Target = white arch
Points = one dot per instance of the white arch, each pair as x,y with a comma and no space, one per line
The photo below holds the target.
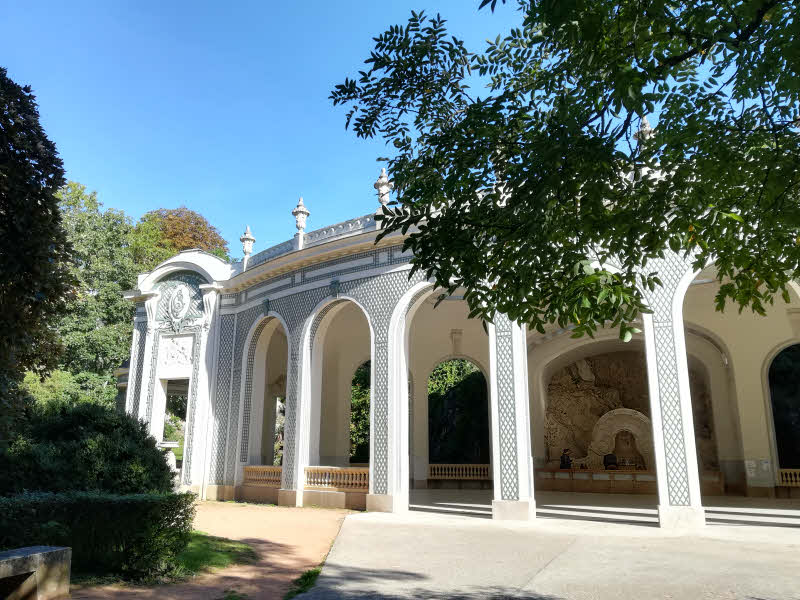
211,267
250,371
308,404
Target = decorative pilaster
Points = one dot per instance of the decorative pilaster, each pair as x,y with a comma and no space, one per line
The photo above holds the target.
292,472
680,504
511,441
381,494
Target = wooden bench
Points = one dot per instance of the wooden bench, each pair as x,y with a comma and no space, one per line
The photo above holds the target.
35,573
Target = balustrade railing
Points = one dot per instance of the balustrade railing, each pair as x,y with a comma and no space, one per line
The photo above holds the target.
469,471
266,475
789,477
337,479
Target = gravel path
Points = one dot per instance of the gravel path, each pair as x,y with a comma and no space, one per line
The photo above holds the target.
288,541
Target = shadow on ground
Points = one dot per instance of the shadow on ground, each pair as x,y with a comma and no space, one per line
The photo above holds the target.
346,582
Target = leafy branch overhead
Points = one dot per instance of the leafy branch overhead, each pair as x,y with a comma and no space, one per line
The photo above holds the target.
528,174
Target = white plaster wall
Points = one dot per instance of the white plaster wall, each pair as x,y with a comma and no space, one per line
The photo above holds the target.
750,342
430,343
346,341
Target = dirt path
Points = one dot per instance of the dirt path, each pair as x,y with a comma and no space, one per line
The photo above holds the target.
288,541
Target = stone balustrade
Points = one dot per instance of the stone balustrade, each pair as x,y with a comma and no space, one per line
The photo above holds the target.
475,472
789,477
265,475
337,479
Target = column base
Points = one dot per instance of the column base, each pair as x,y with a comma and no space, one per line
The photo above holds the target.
287,497
380,503
681,518
220,493
514,510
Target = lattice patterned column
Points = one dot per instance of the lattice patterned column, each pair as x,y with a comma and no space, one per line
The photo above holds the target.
670,399
511,439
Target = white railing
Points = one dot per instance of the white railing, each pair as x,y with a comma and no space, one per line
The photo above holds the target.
357,225
337,479
266,475
474,472
789,477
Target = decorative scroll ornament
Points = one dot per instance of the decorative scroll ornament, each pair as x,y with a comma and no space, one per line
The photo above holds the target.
178,306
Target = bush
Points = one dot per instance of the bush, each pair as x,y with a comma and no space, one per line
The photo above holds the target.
83,447
135,535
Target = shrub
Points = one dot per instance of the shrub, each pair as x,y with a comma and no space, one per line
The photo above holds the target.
83,447
134,535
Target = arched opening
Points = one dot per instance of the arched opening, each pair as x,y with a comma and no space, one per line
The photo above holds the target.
340,346
338,343
784,389
359,415
263,392
458,414
450,466
597,419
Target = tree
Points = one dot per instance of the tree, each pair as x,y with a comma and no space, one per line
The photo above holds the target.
179,229
527,195
359,414
96,331
458,414
34,253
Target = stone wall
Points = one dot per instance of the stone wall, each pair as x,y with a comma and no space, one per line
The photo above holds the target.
582,392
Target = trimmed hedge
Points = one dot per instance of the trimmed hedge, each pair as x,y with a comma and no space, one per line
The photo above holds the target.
135,535
83,447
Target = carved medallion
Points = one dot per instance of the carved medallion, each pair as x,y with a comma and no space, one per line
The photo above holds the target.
178,306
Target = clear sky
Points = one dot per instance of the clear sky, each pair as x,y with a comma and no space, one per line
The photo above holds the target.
219,106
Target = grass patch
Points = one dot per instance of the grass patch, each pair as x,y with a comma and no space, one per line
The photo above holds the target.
303,583
204,553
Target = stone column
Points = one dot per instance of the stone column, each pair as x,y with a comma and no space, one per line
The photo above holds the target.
381,496
510,421
679,502
293,471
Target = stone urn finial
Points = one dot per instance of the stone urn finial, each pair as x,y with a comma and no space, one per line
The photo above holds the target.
645,131
300,213
384,186
247,240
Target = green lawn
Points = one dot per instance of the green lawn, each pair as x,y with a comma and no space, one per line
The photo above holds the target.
303,583
204,552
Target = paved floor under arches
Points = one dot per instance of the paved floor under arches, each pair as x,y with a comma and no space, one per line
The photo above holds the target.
621,508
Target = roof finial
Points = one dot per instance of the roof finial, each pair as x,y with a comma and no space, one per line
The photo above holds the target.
247,240
645,131
384,186
300,213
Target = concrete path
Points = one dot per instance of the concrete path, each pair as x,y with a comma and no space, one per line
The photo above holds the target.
419,555
289,541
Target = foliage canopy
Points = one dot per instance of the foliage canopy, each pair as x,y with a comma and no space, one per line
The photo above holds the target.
34,252
546,196
83,447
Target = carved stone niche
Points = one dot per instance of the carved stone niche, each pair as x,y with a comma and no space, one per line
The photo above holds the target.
604,437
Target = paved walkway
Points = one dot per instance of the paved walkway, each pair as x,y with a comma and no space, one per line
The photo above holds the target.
625,508
420,555
288,541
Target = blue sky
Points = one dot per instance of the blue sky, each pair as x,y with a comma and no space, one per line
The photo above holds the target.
222,107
